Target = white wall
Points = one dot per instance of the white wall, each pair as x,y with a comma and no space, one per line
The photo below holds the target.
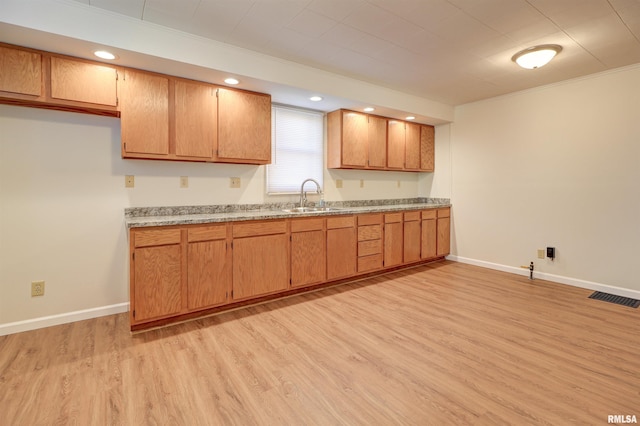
62,200
555,166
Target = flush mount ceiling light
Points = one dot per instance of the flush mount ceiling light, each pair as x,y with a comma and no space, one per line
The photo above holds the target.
231,80
103,54
369,109
411,117
536,56
316,98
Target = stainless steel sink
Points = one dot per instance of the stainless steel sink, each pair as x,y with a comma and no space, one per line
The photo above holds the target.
310,209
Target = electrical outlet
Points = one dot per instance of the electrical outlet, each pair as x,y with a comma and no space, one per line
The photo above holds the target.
129,181
234,182
338,183
540,254
361,183
398,184
37,288
184,181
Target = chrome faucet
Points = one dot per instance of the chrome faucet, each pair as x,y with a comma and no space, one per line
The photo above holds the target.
303,193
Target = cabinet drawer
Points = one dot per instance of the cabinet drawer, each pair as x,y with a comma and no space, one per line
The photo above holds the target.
341,222
411,216
369,219
446,212
301,225
369,263
429,214
392,217
259,228
156,237
367,248
369,232
209,233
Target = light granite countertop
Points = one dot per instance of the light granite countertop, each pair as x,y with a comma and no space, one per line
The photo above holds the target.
138,217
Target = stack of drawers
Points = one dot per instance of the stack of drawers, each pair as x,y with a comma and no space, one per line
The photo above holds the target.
369,242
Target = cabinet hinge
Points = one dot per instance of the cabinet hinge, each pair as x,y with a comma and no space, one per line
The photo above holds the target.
232,249
134,313
232,294
133,255
217,91
290,281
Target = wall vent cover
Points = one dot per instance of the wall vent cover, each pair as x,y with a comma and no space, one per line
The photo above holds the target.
618,300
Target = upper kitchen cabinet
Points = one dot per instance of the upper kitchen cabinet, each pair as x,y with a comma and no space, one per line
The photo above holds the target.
427,148
20,74
144,109
195,112
83,84
244,127
356,140
404,146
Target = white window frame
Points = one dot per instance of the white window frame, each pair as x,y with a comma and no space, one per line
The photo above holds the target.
302,156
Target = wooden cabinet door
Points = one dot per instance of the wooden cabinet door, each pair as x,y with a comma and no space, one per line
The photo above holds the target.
393,244
377,140
260,265
412,146
395,144
308,258
196,124
444,236
83,82
341,252
429,238
412,241
244,127
427,148
144,106
20,72
354,139
157,282
208,267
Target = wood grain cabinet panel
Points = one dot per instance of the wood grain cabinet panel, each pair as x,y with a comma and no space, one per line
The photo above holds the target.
144,106
356,140
308,258
395,144
157,277
20,72
444,232
208,267
412,237
429,236
196,124
377,141
393,240
427,148
260,265
341,252
244,127
412,147
86,82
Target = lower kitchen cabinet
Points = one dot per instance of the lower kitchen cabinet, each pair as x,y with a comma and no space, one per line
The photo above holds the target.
208,267
393,241
444,232
184,270
156,271
412,237
341,247
429,234
260,262
308,252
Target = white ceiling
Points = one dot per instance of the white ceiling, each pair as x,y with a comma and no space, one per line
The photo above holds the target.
449,51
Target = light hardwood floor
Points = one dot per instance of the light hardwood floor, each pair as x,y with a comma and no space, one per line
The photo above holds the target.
441,344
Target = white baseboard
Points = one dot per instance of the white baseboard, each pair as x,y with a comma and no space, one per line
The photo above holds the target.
48,321
619,291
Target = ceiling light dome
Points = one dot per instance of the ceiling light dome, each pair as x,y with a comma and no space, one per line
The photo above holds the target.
536,56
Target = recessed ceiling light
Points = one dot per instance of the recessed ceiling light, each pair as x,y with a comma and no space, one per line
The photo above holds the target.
369,109
316,98
103,54
411,117
231,80
536,56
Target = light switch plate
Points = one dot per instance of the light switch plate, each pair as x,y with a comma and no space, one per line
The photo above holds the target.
338,183
234,182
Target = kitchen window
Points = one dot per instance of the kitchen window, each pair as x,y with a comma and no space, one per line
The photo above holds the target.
296,138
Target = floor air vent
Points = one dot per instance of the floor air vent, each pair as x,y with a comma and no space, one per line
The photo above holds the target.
618,300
